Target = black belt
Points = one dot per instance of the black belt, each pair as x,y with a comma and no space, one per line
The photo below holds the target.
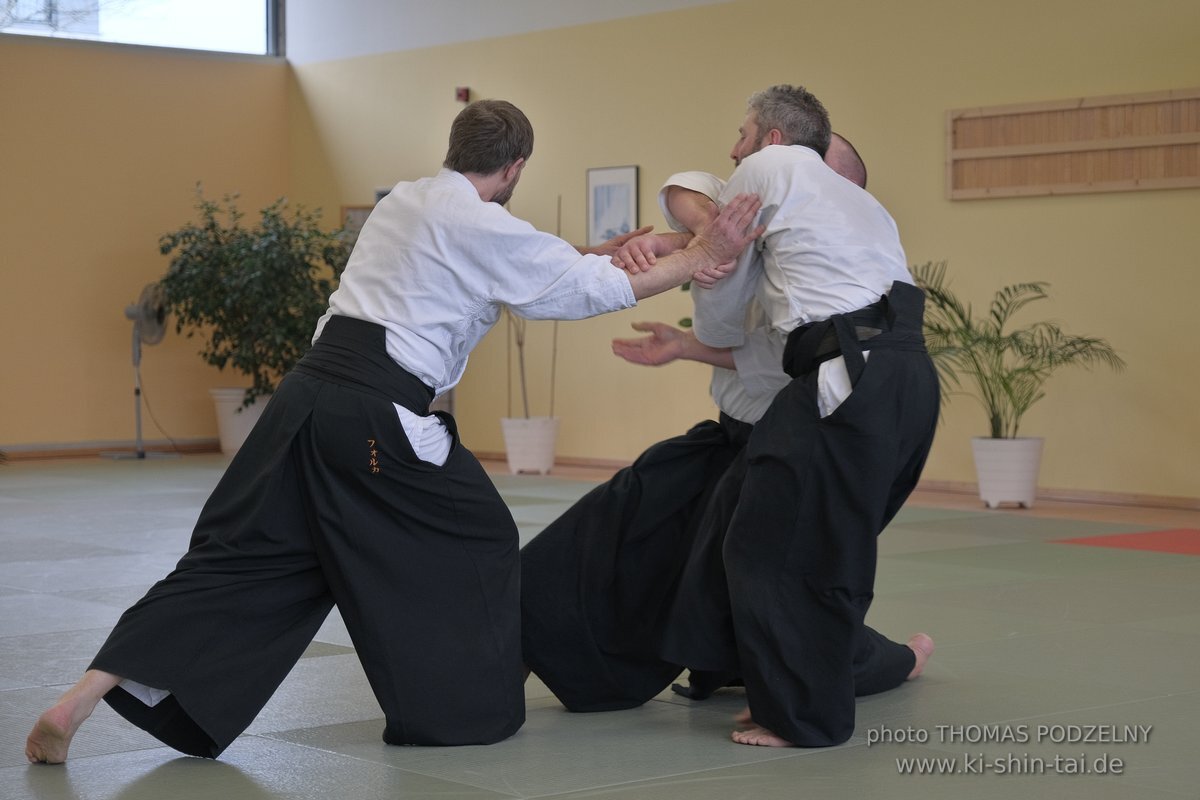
353,352
894,321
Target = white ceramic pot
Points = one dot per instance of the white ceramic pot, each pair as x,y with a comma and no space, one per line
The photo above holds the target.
1007,469
233,425
529,443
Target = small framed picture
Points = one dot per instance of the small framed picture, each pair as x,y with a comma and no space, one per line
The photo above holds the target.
612,202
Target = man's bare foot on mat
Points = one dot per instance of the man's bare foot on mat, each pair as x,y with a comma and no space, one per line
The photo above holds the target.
759,736
922,645
52,733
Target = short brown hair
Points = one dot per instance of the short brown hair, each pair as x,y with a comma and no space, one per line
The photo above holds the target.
487,136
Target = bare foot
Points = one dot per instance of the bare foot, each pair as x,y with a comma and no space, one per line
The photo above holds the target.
743,717
759,736
52,733
50,737
922,645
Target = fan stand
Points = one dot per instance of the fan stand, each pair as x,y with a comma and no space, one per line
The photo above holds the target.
139,451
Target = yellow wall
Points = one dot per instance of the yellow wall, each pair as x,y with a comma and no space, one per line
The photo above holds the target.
667,92
102,149
129,132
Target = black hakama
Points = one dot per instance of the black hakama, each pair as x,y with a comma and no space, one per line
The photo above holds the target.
800,552
627,588
326,504
598,582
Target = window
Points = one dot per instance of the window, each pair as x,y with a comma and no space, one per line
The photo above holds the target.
231,26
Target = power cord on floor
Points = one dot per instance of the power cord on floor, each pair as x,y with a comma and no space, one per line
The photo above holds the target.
154,419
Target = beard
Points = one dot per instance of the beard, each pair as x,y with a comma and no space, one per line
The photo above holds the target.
505,194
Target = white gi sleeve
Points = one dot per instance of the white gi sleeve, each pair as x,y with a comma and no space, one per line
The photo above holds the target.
705,183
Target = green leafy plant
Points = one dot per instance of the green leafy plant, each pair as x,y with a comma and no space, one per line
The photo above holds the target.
1004,368
254,294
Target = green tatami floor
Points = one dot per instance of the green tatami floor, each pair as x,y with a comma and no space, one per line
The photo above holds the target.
1062,670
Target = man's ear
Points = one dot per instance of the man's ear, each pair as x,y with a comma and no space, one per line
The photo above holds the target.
514,169
775,136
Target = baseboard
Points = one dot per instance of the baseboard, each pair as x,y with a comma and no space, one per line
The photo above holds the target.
1076,496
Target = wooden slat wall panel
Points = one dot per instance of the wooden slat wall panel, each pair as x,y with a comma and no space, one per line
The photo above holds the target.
1097,144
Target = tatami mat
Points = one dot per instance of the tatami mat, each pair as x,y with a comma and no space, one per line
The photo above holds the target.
1184,541
1030,631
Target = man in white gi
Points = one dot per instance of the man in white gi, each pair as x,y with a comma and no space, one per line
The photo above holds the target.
841,446
349,492
627,587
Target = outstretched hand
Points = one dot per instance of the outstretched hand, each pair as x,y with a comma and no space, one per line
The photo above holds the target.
664,344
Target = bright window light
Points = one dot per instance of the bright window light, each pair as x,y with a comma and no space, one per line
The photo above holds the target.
230,26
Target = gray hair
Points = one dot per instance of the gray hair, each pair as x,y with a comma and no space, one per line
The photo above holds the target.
795,113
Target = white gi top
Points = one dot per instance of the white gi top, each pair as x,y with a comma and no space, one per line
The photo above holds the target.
829,248
435,265
743,394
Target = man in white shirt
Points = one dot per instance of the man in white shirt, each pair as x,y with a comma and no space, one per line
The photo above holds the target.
628,586
841,446
349,492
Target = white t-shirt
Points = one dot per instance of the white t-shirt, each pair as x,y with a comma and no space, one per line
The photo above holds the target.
435,265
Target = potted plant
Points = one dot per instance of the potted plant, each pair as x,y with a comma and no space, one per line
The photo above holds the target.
1005,369
528,440
253,294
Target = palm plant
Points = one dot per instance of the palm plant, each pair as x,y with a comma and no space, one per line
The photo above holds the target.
1004,368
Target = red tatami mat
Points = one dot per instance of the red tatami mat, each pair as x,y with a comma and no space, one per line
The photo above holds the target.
1185,541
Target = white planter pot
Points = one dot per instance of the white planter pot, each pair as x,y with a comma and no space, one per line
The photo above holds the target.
529,443
233,426
1007,469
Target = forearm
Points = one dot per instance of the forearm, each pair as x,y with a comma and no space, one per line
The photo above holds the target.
694,350
667,243
670,271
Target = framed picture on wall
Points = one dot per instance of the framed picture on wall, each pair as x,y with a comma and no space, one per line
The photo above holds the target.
612,202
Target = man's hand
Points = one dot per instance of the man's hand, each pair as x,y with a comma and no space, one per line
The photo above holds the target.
636,255
615,243
708,278
719,243
724,239
664,344
641,253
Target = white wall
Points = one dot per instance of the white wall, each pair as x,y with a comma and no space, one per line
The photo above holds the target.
318,30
